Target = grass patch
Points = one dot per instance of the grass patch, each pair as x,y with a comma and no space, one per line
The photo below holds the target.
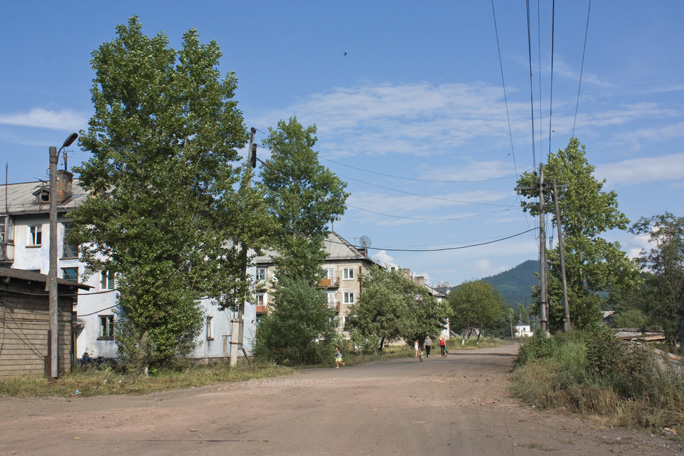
485,342
96,382
592,373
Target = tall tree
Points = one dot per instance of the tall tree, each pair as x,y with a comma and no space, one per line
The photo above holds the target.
664,263
163,187
594,265
476,305
392,306
303,196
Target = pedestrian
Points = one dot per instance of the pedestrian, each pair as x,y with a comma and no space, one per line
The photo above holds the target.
338,358
416,347
428,343
442,346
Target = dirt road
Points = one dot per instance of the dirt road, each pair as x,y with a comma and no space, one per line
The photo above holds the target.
453,406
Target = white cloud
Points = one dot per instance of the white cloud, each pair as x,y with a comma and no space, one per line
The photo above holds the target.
642,170
42,118
384,259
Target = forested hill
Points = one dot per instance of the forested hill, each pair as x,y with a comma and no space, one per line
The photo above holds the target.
515,285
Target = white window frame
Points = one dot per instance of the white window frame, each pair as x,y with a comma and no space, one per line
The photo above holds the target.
107,280
348,273
35,235
261,274
349,297
106,327
209,328
329,273
261,299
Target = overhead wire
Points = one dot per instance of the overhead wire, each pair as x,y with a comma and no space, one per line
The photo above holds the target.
429,219
584,50
529,59
553,38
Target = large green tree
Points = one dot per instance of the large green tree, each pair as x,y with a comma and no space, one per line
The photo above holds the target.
664,265
302,196
594,265
166,207
392,306
475,305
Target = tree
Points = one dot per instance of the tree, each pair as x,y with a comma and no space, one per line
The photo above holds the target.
594,266
163,206
303,197
300,328
392,306
476,305
664,264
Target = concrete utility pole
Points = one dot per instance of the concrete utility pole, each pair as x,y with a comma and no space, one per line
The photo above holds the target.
566,315
238,324
53,324
543,292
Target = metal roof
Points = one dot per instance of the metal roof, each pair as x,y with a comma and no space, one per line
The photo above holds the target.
31,276
18,199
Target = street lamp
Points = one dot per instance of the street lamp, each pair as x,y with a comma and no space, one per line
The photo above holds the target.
52,275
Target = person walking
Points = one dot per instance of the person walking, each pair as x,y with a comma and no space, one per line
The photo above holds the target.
428,343
338,358
442,346
416,347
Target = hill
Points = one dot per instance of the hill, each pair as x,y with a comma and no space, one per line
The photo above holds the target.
515,285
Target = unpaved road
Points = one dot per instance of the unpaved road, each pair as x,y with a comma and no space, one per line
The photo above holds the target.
453,406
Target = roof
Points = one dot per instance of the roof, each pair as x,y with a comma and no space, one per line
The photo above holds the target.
18,199
30,276
336,247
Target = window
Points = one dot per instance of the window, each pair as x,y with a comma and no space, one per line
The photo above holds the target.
331,297
261,299
107,281
106,326
210,328
349,297
70,274
35,235
329,273
68,250
260,274
348,273
6,229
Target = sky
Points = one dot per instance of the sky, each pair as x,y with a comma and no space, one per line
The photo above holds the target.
424,108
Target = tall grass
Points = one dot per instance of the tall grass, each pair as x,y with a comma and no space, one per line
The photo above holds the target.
594,373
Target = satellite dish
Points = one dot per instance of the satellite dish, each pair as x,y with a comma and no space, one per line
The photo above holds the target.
365,242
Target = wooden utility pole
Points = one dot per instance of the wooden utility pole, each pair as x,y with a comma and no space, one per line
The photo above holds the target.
543,292
238,324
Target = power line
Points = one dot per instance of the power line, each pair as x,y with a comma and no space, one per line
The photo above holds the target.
429,219
422,196
529,59
584,49
454,248
503,83
553,37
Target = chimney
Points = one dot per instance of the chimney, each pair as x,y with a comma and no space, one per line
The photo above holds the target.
65,181
406,272
419,280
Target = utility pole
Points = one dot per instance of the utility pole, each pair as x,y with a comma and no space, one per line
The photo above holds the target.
543,292
51,285
566,306
238,324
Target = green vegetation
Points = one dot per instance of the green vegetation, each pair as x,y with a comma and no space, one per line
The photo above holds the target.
592,372
516,285
594,266
164,190
476,306
393,307
106,381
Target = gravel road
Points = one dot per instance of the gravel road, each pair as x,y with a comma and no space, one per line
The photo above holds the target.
443,406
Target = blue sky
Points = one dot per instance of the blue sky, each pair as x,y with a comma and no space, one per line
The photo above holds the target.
408,100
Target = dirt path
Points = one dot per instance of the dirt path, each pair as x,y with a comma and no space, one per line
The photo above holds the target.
453,406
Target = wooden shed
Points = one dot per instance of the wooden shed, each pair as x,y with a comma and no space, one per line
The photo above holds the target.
24,323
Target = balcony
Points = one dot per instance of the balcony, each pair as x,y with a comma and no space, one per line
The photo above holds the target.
261,309
329,283
336,306
7,252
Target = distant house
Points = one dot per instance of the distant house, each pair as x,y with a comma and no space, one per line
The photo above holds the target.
343,268
24,323
523,330
24,244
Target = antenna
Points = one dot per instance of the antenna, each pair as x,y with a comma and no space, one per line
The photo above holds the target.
365,242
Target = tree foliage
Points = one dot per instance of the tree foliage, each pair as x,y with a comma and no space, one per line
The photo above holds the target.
164,199
300,329
302,196
594,266
664,264
392,306
475,305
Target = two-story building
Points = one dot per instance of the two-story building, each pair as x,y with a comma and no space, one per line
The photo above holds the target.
343,268
24,244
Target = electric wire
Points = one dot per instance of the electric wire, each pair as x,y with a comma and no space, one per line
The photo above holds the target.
584,50
429,219
553,37
503,83
529,59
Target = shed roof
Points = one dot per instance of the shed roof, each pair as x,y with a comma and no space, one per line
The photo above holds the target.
30,276
17,199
